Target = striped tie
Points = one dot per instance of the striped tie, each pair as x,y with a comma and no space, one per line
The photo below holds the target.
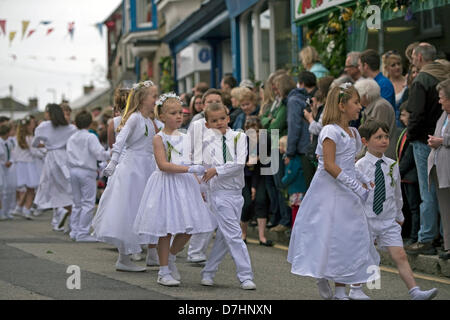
225,152
380,192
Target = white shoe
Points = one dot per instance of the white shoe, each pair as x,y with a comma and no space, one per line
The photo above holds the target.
129,267
55,228
341,298
168,280
207,282
18,211
37,213
248,285
356,293
136,257
87,239
196,258
417,294
324,289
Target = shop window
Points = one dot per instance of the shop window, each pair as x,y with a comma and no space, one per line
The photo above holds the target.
429,23
264,21
283,34
144,13
251,65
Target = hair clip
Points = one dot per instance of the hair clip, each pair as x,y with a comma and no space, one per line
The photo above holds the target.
345,85
166,96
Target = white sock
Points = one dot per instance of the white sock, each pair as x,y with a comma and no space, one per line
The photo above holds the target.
163,270
26,212
339,292
124,258
172,258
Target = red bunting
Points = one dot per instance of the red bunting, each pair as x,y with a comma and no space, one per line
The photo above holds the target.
50,30
30,32
3,26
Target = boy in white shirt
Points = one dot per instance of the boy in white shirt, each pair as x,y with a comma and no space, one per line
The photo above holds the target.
83,152
383,207
224,153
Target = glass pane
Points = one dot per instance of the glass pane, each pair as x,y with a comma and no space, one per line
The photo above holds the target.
251,65
283,34
264,21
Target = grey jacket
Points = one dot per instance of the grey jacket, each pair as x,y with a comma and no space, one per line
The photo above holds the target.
298,134
442,154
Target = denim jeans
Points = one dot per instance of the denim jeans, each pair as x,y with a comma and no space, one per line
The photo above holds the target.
429,212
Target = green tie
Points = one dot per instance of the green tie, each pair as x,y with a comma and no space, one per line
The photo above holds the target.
380,191
7,151
225,152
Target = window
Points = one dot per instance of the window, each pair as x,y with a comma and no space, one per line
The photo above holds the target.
429,23
144,13
283,34
264,21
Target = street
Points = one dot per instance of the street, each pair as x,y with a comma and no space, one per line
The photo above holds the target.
34,261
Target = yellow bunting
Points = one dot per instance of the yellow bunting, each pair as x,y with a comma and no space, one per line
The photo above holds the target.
25,24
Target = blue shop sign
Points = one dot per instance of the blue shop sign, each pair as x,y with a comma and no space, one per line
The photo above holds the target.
204,55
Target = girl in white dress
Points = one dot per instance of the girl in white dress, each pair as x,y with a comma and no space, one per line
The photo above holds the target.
54,189
172,203
330,239
27,173
113,222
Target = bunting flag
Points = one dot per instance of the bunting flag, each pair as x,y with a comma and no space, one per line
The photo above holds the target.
3,26
25,24
100,28
45,22
50,30
12,34
30,32
14,57
71,29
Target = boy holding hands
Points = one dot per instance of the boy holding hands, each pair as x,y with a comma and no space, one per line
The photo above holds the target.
383,207
224,153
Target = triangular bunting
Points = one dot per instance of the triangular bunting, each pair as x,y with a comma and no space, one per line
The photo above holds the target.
12,34
3,26
25,24
100,28
71,29
50,30
30,32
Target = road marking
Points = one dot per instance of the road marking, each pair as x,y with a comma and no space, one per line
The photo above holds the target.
382,268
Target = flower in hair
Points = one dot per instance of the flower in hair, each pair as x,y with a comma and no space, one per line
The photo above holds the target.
166,96
345,86
146,84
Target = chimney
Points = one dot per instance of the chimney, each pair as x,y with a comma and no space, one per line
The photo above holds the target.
88,89
32,103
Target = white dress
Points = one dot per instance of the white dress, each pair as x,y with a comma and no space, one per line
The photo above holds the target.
172,202
330,238
26,169
113,222
54,189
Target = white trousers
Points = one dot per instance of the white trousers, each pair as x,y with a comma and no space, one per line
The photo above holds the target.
228,207
198,244
84,189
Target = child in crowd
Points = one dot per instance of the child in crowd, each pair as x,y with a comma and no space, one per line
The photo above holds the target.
293,180
254,192
113,222
383,207
330,239
226,161
27,173
83,152
172,204
9,192
409,182
55,190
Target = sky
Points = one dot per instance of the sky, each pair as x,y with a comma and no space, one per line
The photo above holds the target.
50,67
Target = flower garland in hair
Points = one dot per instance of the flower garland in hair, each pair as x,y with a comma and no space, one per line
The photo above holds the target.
343,86
146,84
166,96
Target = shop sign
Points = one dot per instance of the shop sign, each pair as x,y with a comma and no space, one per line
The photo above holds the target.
304,8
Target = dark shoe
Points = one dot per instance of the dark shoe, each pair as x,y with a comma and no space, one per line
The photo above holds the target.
409,242
421,248
279,228
444,255
245,240
268,243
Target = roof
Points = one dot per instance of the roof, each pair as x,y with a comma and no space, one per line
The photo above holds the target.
86,99
9,103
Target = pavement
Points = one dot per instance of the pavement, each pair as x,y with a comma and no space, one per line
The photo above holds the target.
429,264
35,264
